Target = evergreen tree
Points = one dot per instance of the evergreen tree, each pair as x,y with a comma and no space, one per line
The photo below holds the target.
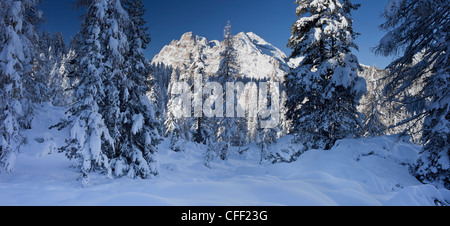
137,32
267,135
42,67
57,84
372,105
324,90
18,38
175,119
200,126
49,82
210,152
138,131
162,74
418,30
95,115
228,69
227,73
251,97
67,71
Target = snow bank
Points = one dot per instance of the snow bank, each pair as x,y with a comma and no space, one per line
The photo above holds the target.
420,196
360,172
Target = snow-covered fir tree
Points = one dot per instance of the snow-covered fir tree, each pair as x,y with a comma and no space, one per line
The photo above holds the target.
285,125
324,90
95,116
57,82
18,38
67,71
139,132
250,98
373,125
280,91
162,75
49,82
227,73
418,31
267,134
42,67
372,104
175,118
201,128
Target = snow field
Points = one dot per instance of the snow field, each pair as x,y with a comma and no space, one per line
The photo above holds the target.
373,172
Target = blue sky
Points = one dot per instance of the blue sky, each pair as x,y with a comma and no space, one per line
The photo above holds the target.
270,19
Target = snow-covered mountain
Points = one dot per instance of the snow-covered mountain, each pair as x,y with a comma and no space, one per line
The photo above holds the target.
257,58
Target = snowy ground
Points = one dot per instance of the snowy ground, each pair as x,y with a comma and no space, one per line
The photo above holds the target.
356,172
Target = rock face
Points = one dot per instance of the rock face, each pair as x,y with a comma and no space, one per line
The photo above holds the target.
258,59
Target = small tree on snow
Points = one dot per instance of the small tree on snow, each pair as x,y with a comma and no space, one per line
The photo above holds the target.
267,133
176,120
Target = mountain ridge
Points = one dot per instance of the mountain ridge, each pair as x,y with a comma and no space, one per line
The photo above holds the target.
257,58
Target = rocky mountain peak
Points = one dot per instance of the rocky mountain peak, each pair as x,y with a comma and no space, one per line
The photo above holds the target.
257,58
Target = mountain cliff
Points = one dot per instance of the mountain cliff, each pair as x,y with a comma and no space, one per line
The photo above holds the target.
257,58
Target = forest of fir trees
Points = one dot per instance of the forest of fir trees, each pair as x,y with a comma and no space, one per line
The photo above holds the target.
120,107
